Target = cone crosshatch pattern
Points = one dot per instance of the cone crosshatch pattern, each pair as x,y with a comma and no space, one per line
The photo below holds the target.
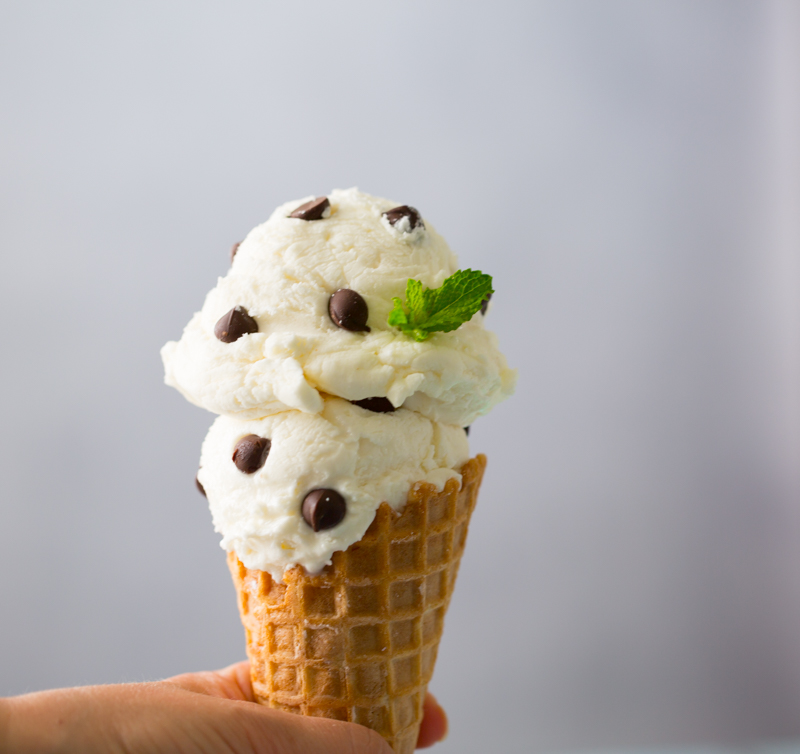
358,641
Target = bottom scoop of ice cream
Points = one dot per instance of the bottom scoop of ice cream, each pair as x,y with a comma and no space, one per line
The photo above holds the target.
293,488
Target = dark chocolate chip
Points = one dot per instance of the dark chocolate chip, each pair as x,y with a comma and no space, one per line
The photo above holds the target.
250,453
323,509
379,405
312,210
234,249
200,487
348,310
485,304
466,429
398,213
234,324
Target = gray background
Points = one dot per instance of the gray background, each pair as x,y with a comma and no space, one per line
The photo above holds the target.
627,171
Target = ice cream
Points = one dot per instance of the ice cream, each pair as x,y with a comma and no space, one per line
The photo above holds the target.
346,356
366,457
282,278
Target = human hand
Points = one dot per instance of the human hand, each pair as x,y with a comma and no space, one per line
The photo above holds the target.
194,713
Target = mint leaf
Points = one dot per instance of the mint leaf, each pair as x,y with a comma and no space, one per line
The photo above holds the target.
440,309
415,298
397,317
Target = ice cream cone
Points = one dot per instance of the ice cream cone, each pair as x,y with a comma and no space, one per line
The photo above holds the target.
358,641
345,353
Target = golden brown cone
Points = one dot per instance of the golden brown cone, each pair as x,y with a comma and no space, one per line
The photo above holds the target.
358,640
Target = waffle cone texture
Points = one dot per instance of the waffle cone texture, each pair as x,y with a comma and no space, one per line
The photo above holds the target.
358,641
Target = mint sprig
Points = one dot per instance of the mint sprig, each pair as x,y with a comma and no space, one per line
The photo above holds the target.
441,309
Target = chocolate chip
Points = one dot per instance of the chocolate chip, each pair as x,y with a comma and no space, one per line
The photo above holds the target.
485,304
378,405
348,310
251,453
323,509
466,429
397,214
312,210
234,249
234,324
200,487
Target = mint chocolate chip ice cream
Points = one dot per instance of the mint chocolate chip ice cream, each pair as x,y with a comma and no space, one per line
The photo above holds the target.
326,409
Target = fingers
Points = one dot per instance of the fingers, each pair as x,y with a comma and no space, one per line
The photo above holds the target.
434,723
232,682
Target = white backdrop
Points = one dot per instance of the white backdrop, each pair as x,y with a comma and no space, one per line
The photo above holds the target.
627,171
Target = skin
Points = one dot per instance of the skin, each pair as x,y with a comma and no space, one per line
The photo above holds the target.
195,713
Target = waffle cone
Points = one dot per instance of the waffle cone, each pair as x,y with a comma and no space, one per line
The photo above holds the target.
358,641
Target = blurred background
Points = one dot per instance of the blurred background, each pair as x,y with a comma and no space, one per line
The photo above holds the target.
629,173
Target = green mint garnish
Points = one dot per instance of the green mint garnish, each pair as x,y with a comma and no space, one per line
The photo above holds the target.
440,309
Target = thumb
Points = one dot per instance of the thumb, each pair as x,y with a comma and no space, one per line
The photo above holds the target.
293,734
274,732
232,682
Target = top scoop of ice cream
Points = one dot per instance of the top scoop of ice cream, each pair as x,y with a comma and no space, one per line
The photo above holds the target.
269,337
